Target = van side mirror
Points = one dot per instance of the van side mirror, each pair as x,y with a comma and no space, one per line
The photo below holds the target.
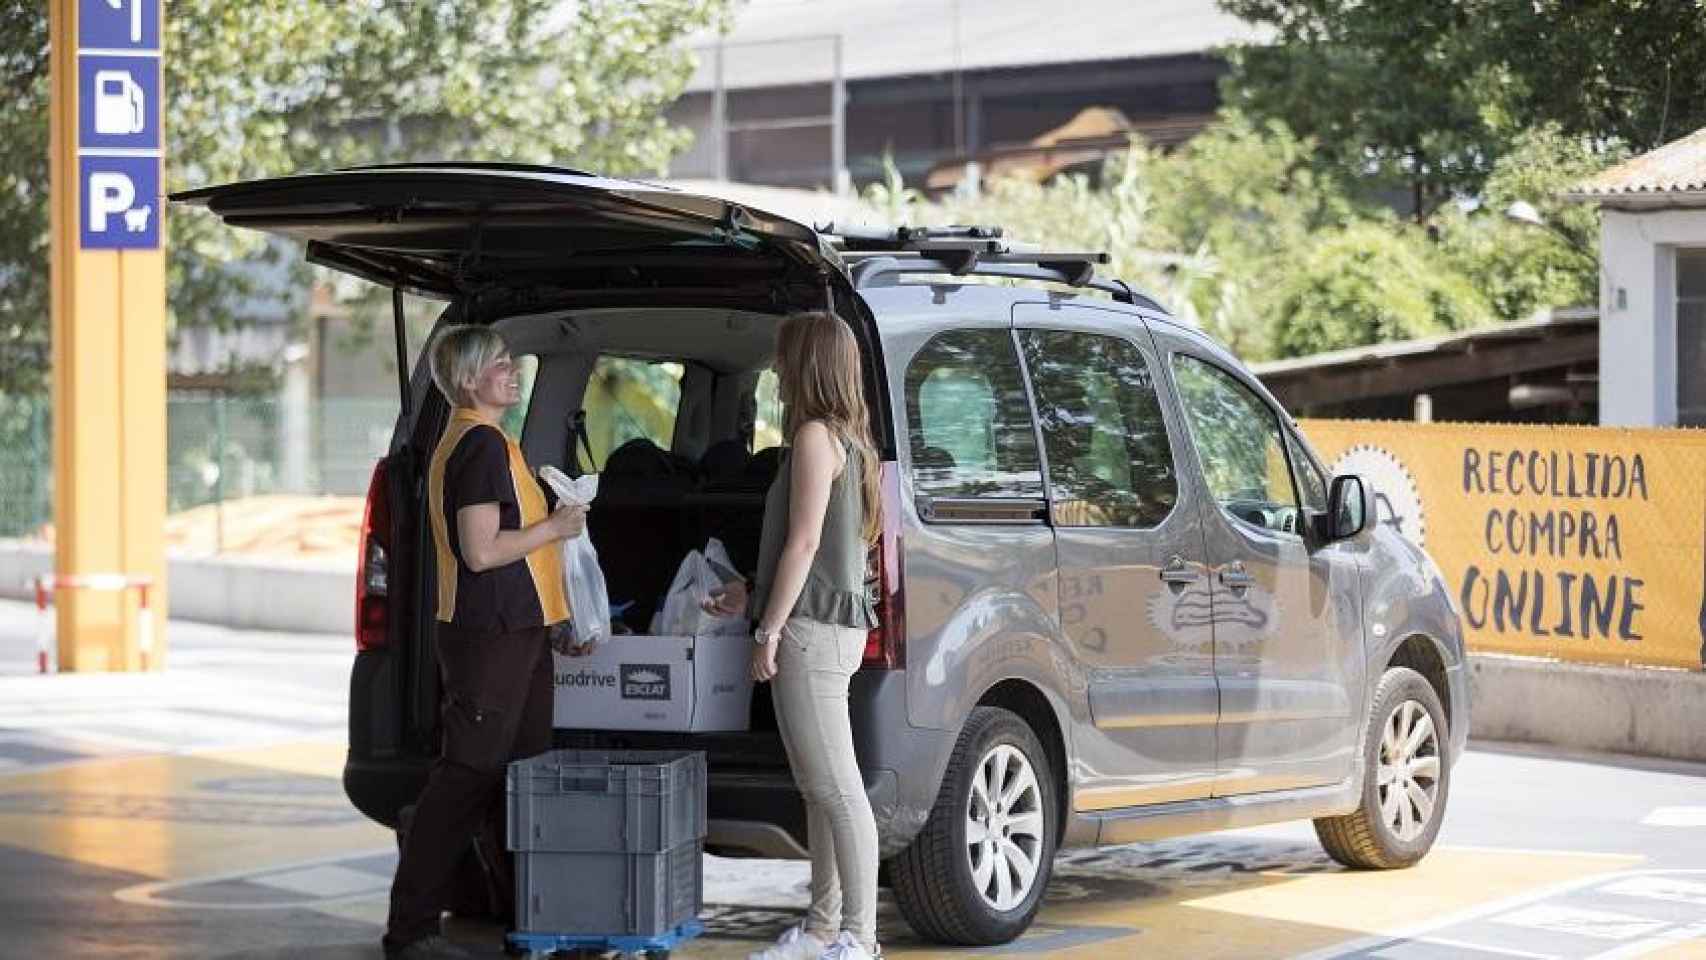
1347,509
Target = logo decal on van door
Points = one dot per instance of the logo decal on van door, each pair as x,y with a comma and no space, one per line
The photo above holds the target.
645,681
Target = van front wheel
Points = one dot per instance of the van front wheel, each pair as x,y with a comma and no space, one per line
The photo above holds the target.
1407,781
975,875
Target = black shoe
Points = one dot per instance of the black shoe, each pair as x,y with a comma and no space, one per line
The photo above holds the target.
435,947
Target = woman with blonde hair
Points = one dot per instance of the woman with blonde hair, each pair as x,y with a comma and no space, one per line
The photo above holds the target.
500,605
820,518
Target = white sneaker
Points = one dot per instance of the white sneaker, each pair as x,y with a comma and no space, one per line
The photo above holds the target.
848,947
794,944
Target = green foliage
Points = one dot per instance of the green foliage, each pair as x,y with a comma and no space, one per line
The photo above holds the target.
1242,232
23,196
269,87
1428,96
1368,283
1385,88
1523,267
1247,198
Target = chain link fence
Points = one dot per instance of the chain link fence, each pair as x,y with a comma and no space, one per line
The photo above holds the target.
219,448
26,464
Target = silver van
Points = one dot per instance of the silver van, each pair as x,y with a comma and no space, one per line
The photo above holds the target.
1120,598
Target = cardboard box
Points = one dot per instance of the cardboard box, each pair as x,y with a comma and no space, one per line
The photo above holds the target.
688,684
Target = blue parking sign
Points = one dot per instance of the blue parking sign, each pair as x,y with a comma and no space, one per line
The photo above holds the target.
120,202
118,24
118,102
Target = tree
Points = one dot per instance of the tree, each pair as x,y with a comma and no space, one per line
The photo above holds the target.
1383,87
1243,200
267,87
1430,94
1206,228
1521,267
1626,70
1371,282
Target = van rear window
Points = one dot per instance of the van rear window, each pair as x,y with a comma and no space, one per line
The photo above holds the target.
629,399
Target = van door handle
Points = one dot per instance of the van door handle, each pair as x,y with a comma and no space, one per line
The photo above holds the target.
1235,577
1178,571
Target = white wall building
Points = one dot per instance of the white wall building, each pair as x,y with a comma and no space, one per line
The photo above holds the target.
1652,287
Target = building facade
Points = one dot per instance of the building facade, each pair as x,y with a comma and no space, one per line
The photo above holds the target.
1652,295
817,93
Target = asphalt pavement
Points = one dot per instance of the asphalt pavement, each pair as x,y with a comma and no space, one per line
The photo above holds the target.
197,813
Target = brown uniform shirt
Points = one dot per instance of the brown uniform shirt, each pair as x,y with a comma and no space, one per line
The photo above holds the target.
475,462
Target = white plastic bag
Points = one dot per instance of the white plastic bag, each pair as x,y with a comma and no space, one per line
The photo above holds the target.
583,580
715,558
683,610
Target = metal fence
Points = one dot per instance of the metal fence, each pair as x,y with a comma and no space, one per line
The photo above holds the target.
26,464
219,447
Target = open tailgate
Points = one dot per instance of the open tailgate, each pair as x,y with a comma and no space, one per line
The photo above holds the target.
442,229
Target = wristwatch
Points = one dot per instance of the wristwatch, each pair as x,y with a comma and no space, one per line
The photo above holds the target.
764,637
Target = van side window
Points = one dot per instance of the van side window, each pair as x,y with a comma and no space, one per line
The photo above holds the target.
969,421
767,420
1240,445
1109,463
628,399
1309,480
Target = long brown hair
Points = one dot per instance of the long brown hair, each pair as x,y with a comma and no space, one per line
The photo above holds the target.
817,362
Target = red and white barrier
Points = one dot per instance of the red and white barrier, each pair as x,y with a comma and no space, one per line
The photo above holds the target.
48,583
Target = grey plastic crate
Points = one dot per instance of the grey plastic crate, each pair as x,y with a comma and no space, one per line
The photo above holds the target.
606,801
609,894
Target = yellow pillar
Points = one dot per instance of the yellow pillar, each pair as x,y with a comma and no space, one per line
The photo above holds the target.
109,332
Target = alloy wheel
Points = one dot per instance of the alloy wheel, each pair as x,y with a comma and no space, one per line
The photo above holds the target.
1408,774
1004,827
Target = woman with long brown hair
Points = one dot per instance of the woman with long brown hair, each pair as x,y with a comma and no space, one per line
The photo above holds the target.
820,518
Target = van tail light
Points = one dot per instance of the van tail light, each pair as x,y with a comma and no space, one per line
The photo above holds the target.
885,646
372,612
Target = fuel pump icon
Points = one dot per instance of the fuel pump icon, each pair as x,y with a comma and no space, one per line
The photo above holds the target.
120,107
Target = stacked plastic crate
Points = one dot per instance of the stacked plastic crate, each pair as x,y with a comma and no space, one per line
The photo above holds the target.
607,848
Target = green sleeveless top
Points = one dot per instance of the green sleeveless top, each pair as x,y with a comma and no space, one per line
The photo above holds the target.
834,591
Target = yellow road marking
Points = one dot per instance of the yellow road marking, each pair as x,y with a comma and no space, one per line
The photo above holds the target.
1268,914
154,816
213,814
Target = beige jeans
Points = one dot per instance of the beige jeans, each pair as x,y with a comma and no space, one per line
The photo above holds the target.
814,663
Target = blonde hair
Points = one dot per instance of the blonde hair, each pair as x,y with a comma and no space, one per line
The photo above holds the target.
459,354
817,362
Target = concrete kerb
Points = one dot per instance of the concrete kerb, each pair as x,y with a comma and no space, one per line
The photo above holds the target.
240,593
1635,710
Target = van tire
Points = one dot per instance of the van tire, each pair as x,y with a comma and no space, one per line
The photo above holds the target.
933,877
1363,839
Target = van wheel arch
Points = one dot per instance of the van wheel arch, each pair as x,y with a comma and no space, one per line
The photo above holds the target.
1421,653
1033,706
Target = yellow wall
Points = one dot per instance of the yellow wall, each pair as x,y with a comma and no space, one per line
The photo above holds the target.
1580,543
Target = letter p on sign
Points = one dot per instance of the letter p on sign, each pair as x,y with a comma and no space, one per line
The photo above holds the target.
110,194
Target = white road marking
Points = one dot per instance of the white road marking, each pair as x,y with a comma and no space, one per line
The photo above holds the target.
326,881
1669,938
1481,948
1599,924
1420,931
1660,888
1676,817
158,893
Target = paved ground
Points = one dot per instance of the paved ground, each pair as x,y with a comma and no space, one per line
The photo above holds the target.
198,814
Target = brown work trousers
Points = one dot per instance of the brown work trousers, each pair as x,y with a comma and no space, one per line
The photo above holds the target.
496,708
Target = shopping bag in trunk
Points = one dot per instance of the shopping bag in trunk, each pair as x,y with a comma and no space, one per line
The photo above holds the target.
683,611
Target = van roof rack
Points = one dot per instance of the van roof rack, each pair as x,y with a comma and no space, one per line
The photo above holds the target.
880,256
